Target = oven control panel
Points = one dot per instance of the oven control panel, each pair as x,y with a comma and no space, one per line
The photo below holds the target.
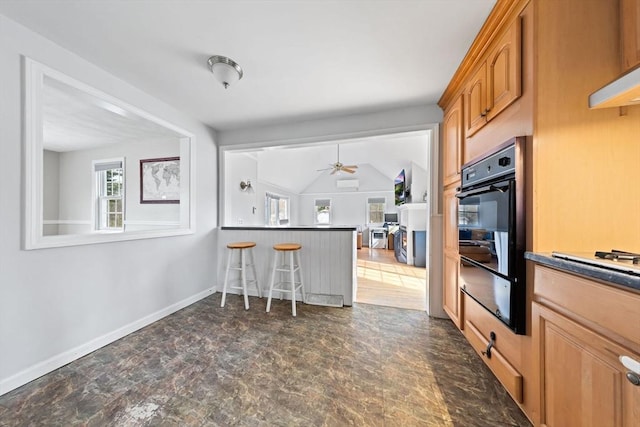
491,167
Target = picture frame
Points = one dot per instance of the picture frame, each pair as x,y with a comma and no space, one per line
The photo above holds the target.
160,180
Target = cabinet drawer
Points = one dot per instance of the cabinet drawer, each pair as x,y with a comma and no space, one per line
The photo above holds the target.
510,378
606,309
508,343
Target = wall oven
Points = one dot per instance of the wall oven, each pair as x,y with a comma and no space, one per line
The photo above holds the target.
491,227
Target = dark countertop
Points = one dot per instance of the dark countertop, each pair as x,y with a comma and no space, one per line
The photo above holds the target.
297,228
620,279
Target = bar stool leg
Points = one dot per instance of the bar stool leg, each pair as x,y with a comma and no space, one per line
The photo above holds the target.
273,279
293,283
253,270
304,296
226,279
243,276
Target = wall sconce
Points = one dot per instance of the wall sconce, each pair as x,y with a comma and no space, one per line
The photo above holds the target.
246,186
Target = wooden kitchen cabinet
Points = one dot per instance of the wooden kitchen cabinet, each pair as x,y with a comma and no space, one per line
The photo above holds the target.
580,329
452,301
497,81
450,216
504,358
476,101
453,138
630,33
583,382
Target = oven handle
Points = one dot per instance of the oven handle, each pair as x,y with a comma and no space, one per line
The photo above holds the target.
483,190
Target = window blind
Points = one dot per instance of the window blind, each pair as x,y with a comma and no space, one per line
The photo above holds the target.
108,165
372,200
274,196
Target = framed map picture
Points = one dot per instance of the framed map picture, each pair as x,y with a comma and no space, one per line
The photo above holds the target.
160,180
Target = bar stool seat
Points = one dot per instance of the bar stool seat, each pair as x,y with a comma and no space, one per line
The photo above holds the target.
245,259
289,262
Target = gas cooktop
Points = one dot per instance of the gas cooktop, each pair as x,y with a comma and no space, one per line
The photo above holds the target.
627,262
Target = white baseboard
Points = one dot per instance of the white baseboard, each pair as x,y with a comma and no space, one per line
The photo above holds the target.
55,362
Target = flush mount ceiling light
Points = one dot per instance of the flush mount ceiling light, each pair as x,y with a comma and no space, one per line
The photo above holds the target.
225,70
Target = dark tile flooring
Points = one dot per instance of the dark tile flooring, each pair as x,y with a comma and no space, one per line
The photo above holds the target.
210,366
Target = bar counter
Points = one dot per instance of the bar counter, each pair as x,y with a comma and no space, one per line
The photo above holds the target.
328,256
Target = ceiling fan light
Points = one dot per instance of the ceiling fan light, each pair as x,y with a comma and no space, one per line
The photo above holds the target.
225,70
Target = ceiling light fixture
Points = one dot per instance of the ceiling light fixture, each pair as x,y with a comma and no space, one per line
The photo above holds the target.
225,70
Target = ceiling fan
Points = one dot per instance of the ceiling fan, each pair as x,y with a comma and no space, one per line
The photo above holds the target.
339,167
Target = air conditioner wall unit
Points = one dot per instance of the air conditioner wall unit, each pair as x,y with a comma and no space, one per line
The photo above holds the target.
347,183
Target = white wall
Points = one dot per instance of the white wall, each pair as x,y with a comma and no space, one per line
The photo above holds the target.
348,205
238,206
347,208
248,207
57,304
352,126
419,183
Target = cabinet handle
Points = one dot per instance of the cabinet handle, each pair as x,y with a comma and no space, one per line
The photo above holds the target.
492,342
633,366
633,378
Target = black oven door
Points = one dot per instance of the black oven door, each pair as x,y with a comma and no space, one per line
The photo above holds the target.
487,245
486,224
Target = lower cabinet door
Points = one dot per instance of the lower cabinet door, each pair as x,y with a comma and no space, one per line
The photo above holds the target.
452,302
582,381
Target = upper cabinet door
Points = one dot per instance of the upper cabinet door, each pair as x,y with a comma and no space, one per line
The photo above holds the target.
505,71
497,81
630,33
453,129
476,100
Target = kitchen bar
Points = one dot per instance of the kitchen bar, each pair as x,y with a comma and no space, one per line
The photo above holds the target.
328,256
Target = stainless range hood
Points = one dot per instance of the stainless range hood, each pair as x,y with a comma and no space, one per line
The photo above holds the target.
623,91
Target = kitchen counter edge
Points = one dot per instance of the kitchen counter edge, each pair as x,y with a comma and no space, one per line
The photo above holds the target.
619,279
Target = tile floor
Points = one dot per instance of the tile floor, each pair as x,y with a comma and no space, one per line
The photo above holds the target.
209,366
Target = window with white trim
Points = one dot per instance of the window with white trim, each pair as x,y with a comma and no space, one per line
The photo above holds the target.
375,210
322,211
276,209
109,184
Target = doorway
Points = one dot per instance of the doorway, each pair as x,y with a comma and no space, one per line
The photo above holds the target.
384,281
257,162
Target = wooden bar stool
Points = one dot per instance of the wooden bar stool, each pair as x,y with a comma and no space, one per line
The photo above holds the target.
289,254
245,260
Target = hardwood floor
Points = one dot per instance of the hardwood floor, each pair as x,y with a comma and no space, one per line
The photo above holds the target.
384,281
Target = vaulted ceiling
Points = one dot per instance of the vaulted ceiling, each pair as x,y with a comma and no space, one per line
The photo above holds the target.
294,168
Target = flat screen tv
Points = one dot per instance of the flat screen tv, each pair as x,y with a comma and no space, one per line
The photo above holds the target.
391,218
399,188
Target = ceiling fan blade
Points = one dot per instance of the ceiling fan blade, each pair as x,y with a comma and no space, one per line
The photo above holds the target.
325,169
350,166
345,169
333,171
